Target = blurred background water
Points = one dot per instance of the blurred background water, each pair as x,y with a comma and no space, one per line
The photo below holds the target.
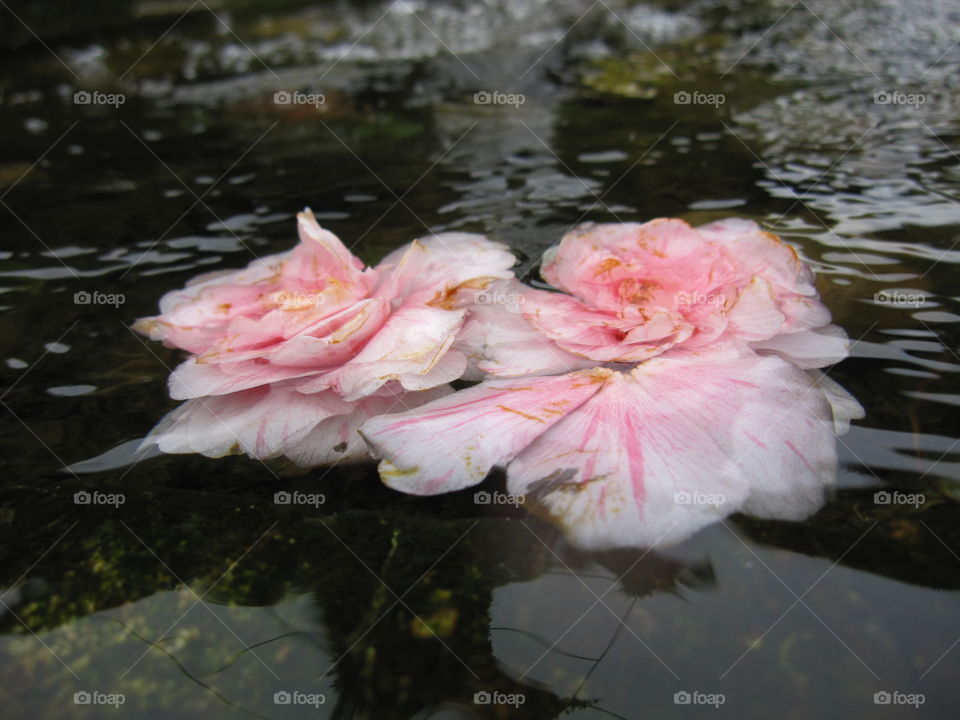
145,142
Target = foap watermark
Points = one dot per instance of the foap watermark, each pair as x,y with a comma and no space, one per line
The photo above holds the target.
298,498
295,697
695,697
85,97
685,97
899,298
511,302
895,97
85,297
886,497
85,497
696,497
95,697
497,498
297,97
885,697
495,97
700,298
296,300
485,697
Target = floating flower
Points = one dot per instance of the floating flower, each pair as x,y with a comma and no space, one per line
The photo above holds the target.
309,339
668,389
636,291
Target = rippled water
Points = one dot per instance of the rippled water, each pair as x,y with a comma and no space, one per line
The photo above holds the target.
200,597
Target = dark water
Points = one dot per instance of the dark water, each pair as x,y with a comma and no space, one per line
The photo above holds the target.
200,597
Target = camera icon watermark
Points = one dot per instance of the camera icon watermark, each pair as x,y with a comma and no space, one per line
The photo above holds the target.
685,97
483,497
685,497
296,97
486,697
295,697
84,497
298,498
95,697
695,697
895,97
296,300
495,97
700,298
84,297
85,97
898,298
895,497
898,698
511,302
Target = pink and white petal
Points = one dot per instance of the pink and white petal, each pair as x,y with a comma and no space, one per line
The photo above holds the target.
451,366
194,318
453,443
322,261
337,440
844,405
326,342
444,262
411,342
618,471
264,422
498,340
193,379
755,316
757,252
818,348
803,312
589,255
580,329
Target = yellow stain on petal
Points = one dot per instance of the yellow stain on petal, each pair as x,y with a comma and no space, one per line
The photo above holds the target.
607,265
556,407
446,298
521,413
594,375
389,470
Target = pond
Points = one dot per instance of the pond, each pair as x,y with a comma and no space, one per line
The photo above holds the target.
147,142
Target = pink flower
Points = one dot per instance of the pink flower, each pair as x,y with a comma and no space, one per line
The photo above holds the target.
668,389
297,340
640,290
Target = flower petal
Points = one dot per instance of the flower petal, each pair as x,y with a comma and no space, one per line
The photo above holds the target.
844,405
337,440
443,263
322,261
272,299
263,422
498,340
598,335
193,379
408,347
617,471
759,253
755,316
454,442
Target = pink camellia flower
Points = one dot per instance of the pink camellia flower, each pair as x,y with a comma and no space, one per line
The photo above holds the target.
671,387
292,353
640,290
